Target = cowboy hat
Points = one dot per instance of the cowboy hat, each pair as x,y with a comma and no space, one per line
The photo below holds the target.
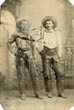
51,19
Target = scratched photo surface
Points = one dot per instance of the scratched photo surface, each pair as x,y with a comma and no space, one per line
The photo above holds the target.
37,55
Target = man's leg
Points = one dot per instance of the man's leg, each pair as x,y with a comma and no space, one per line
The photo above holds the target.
48,86
20,77
34,77
47,76
58,69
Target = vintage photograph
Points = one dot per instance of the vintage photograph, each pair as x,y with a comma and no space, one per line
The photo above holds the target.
37,55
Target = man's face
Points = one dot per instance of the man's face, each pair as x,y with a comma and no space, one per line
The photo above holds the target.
49,24
24,26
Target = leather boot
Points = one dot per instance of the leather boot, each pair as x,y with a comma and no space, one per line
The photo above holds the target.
38,96
60,88
23,97
49,95
62,95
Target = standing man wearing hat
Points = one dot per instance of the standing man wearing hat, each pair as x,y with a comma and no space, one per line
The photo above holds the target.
50,49
24,57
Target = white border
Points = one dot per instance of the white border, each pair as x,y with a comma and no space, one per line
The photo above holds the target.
72,2
1,108
72,108
1,2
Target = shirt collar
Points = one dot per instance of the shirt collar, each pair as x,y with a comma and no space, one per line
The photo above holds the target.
49,31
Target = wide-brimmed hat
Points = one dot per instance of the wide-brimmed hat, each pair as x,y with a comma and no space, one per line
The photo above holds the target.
49,18
20,21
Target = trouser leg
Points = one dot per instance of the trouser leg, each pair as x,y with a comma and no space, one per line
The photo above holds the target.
48,84
20,75
34,76
60,86
47,74
58,69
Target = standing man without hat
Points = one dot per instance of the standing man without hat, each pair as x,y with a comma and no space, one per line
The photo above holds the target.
24,57
50,49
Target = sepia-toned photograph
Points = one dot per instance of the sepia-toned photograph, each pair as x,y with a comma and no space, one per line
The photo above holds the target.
37,55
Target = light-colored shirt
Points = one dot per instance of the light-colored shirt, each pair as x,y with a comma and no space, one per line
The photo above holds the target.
50,39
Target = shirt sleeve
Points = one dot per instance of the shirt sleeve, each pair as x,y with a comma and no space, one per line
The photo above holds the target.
59,43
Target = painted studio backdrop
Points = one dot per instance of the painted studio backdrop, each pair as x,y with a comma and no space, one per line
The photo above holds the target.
35,11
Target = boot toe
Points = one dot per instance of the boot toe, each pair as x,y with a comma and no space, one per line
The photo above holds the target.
39,97
49,95
23,97
62,95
